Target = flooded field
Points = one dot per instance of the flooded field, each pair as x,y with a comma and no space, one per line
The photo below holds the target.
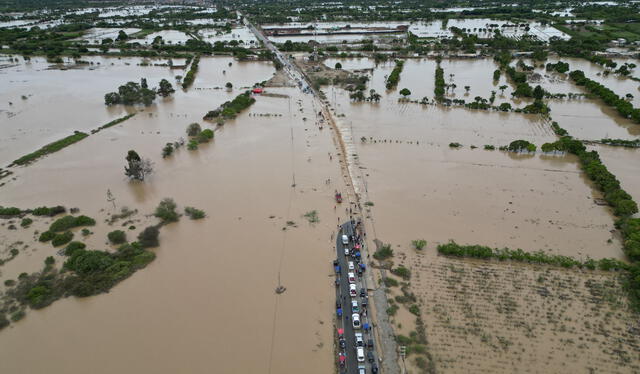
241,34
97,34
533,202
432,29
560,83
491,317
592,120
623,162
418,75
212,283
169,36
53,96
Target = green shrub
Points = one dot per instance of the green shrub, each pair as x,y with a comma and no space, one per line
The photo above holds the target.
86,232
402,272
192,145
149,237
414,309
194,213
403,340
312,216
392,310
117,237
61,239
18,315
9,282
9,211
39,296
73,247
49,260
205,136
48,211
419,243
68,222
46,236
384,252
455,145
26,222
166,211
390,282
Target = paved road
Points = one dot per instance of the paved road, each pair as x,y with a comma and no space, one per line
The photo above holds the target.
295,74
342,295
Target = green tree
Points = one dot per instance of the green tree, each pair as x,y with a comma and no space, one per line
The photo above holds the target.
194,129
405,92
166,211
122,36
165,88
538,92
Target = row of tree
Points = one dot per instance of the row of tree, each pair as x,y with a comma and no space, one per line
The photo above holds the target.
624,107
191,74
394,77
439,84
230,109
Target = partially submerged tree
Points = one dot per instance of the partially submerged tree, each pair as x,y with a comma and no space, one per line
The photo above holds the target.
165,88
194,129
137,168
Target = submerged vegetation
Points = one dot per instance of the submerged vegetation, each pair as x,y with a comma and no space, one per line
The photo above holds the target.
231,109
50,148
624,107
394,77
191,74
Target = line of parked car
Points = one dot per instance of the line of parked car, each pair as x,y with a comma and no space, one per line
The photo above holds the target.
364,351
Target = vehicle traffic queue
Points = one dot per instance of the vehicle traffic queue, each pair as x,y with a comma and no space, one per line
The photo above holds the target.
355,336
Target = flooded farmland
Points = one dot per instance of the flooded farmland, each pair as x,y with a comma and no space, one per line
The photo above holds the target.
211,288
174,198
38,92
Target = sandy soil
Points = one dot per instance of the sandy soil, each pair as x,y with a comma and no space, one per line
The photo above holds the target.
491,317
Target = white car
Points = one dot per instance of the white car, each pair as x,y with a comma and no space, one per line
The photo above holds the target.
360,354
355,320
359,340
353,290
354,306
362,369
345,239
352,277
347,252
352,267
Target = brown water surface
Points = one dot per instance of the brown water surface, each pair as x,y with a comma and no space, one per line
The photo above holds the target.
208,298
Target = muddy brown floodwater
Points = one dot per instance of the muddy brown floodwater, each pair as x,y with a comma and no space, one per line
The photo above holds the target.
207,303
484,316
